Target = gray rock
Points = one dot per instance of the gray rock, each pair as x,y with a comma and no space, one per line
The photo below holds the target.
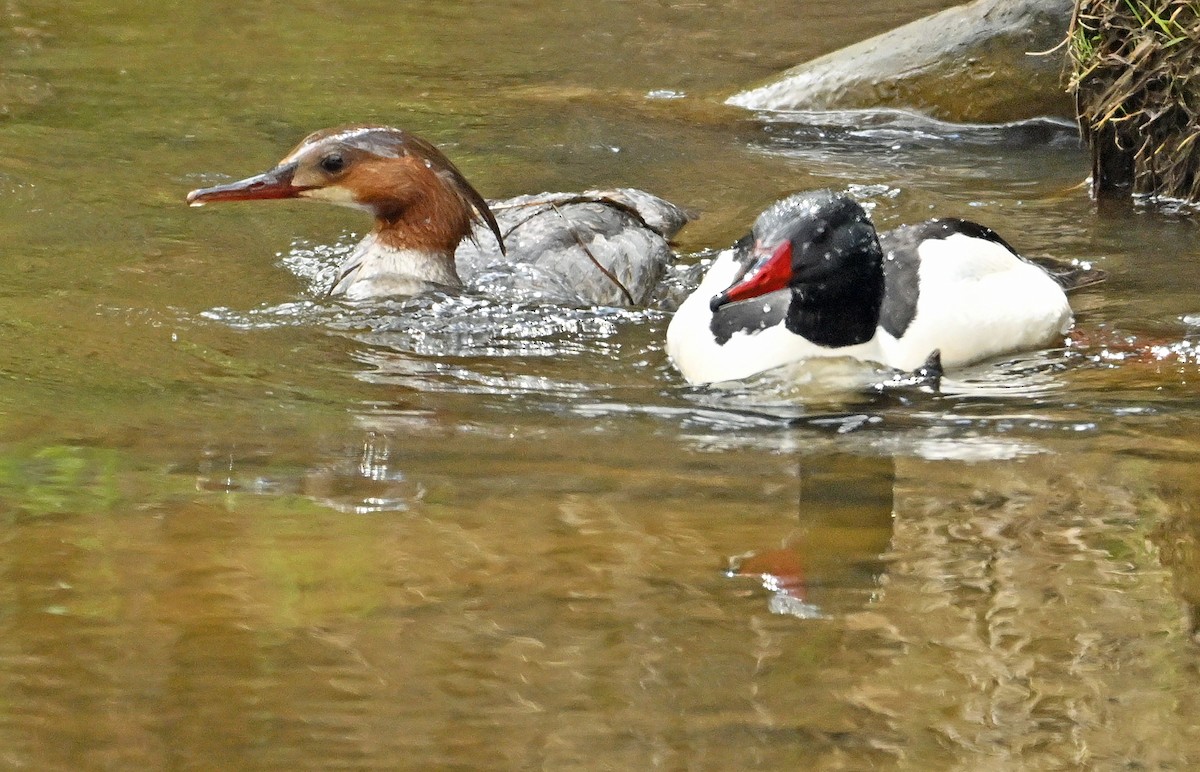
969,64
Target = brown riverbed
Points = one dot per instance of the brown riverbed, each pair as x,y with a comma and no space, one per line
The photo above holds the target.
247,528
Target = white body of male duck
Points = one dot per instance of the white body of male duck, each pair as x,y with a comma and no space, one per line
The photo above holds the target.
594,248
814,279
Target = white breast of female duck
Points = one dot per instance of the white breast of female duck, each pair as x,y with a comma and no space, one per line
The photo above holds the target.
375,270
976,299
702,358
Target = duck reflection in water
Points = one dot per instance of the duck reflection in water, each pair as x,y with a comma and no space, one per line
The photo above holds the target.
844,526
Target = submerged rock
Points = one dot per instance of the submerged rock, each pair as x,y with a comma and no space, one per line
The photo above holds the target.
970,63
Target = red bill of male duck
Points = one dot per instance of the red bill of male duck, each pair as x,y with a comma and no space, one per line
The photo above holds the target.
813,278
593,248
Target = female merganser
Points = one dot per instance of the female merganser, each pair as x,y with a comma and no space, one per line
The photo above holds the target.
814,279
597,247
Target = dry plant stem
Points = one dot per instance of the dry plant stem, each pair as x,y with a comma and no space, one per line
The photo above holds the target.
609,274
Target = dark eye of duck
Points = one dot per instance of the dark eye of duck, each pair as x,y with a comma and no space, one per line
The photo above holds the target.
332,163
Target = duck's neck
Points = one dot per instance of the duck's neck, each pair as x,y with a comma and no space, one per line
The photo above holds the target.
378,267
411,250
843,311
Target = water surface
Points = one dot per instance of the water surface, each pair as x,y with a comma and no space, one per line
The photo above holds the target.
249,528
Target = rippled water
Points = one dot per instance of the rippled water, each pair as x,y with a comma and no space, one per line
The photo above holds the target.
249,527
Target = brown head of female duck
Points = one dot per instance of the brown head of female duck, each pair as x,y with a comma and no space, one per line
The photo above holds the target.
422,204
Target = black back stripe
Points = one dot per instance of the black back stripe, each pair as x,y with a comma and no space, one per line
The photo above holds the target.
901,280
945,227
901,264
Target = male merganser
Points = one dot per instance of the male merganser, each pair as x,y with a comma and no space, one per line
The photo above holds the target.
814,279
597,247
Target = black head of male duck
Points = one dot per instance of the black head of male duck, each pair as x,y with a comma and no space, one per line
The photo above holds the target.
825,249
